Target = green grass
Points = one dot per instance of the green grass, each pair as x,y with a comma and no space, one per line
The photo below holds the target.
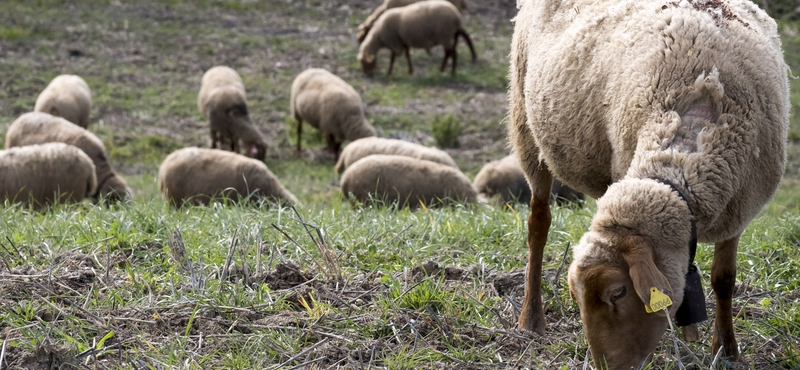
71,275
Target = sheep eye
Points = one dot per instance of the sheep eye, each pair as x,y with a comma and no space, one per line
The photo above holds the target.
617,293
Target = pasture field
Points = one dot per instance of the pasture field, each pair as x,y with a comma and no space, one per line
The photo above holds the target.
140,286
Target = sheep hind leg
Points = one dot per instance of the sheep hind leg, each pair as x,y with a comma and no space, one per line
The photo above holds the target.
447,55
532,315
455,58
299,133
723,281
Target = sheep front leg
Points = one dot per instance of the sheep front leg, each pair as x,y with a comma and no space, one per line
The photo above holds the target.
723,281
391,63
532,316
408,59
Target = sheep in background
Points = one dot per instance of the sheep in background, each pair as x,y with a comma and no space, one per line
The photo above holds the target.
39,128
676,113
405,181
504,182
66,96
196,176
329,104
420,25
374,145
364,28
41,175
223,102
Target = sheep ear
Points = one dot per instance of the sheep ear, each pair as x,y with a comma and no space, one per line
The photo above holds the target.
638,253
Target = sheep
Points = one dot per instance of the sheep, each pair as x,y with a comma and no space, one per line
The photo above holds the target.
329,104
66,96
420,25
405,181
39,128
373,145
223,102
503,181
41,175
363,29
196,176
674,114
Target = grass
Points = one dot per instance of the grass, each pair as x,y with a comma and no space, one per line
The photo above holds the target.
98,286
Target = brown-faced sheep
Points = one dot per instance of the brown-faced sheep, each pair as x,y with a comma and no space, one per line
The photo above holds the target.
41,175
363,29
676,113
223,102
331,105
196,176
420,25
374,145
66,96
39,128
502,181
405,181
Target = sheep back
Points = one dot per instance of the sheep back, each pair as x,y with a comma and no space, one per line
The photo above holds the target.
504,180
39,128
196,176
373,145
329,104
710,83
365,27
405,181
66,96
41,175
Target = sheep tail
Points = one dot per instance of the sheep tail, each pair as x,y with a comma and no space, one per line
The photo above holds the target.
461,32
339,165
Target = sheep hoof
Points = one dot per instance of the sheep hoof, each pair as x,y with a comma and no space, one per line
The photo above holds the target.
690,333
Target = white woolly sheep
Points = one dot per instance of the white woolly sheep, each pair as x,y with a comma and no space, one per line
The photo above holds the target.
66,96
374,145
676,113
504,182
196,176
363,29
39,128
41,175
405,181
223,101
420,25
329,104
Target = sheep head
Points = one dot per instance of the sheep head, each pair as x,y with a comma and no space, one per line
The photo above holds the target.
637,243
114,189
362,33
256,150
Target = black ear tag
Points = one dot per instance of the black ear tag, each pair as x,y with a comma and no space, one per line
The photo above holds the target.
693,308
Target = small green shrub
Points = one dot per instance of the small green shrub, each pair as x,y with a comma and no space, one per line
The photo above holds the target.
446,130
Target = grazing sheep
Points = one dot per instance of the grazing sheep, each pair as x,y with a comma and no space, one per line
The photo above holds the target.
40,175
373,145
420,25
196,176
331,105
676,113
363,29
66,96
223,102
406,181
504,181
39,128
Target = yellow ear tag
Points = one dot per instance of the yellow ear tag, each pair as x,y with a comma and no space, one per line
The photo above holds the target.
658,301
